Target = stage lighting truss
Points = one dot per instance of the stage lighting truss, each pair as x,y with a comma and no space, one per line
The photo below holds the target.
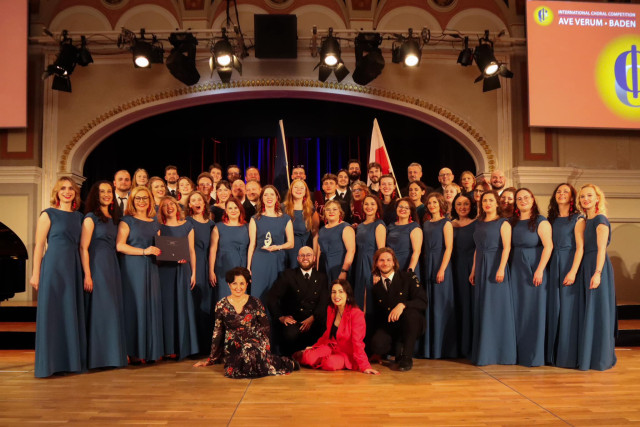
68,57
490,68
223,56
144,51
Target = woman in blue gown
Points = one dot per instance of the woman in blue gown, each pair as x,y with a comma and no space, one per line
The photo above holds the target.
223,193
563,301
371,235
158,189
404,236
104,312
57,276
441,338
229,245
199,216
305,219
531,247
494,328
596,344
270,235
336,243
418,195
177,279
388,194
140,282
461,263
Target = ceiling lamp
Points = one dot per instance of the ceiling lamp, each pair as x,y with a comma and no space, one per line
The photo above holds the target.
181,62
223,58
369,59
490,68
330,59
407,50
68,57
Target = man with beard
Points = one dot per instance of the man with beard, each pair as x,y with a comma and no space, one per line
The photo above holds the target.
238,191
399,309
298,304
353,169
414,173
374,172
233,173
122,184
252,174
498,181
171,177
252,192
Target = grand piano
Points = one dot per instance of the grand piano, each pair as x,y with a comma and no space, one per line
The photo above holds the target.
13,263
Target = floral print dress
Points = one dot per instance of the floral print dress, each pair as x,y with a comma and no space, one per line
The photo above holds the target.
244,339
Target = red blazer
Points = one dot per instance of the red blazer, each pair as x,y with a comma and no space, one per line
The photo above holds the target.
349,340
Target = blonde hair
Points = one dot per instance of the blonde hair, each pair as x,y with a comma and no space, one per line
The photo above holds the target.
134,182
131,208
55,200
337,203
307,205
601,204
472,176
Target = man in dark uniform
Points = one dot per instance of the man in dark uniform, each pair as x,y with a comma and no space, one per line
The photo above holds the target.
298,304
399,303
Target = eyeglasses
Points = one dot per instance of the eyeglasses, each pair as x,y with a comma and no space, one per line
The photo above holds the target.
305,256
206,185
141,198
356,190
445,174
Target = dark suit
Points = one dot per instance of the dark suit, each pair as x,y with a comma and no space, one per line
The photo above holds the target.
249,210
293,295
405,288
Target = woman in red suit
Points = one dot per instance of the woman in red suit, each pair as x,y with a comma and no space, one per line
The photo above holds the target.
342,344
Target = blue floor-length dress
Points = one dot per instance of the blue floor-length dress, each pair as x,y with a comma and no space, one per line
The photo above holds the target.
332,250
203,293
596,346
461,264
529,301
141,293
301,237
494,328
104,310
563,302
233,244
178,313
399,239
441,337
60,323
366,246
265,265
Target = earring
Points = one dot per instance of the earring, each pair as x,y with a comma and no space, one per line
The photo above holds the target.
73,205
597,207
58,204
277,206
516,211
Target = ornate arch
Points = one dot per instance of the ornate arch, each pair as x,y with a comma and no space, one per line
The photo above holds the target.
73,156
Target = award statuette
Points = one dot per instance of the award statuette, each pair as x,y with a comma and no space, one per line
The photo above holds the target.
267,240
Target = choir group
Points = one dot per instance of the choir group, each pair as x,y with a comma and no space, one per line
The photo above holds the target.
504,284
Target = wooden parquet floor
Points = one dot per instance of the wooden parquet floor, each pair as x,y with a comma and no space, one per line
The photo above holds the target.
434,393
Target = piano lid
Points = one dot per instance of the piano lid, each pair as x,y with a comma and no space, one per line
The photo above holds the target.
10,244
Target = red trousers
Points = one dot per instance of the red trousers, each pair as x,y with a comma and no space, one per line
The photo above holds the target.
323,357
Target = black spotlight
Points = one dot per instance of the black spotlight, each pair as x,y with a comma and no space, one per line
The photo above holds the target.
223,59
466,54
406,50
181,62
489,67
66,61
330,60
146,52
369,59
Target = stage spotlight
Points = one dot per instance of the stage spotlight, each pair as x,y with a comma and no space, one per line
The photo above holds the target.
369,59
466,54
146,52
406,50
66,61
330,60
223,59
489,67
181,62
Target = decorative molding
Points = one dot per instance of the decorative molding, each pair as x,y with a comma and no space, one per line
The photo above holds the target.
20,175
304,84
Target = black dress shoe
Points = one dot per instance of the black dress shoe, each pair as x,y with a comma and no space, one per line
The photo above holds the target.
405,364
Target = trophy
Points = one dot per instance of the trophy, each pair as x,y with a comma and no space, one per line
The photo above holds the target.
267,240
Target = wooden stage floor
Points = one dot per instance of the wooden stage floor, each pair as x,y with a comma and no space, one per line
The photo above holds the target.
433,393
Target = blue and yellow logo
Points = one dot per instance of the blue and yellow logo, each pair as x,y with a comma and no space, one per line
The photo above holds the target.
543,16
618,76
